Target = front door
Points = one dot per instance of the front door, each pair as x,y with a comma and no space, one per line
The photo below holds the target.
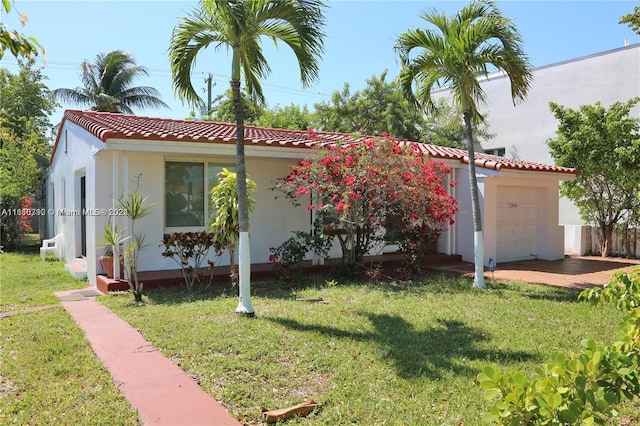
83,217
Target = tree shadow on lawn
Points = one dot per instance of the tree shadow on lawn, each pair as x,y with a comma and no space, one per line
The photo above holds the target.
269,290
535,291
430,353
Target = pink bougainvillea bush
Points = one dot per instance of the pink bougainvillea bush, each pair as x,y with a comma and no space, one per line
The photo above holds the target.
375,191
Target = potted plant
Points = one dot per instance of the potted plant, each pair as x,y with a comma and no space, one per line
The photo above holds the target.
112,237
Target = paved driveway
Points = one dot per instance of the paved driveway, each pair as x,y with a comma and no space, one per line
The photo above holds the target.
578,272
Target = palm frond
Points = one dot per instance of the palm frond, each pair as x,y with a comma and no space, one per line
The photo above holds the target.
240,26
106,82
193,34
74,96
472,43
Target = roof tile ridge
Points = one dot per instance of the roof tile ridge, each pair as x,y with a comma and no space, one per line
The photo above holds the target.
85,119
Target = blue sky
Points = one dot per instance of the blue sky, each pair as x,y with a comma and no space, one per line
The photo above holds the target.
359,42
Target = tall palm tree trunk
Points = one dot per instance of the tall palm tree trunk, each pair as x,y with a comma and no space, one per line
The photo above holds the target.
478,240
244,251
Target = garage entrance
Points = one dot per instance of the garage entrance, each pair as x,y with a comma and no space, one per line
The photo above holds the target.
517,223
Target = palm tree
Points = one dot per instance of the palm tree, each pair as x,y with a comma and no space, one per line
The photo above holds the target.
238,26
106,85
465,47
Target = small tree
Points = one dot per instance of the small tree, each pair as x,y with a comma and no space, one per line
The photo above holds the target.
603,144
25,105
136,207
19,174
358,187
224,202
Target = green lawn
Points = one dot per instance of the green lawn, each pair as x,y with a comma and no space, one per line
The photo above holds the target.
396,354
49,374
372,354
26,281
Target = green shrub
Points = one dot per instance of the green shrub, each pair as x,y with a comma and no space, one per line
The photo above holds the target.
581,389
190,251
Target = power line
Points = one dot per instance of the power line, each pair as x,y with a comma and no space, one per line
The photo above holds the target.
158,72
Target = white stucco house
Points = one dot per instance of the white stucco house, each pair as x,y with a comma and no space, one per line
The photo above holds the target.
521,131
100,157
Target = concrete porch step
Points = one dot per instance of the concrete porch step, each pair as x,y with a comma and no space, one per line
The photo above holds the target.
77,268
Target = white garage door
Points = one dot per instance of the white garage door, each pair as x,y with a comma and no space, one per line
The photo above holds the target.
517,223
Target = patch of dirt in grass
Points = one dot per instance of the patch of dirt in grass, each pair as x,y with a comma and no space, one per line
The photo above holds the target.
7,388
311,386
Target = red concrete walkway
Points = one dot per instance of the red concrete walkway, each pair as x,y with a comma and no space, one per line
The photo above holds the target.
162,393
577,272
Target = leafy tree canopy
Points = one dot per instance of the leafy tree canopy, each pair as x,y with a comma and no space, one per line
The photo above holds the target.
289,117
25,105
632,20
379,107
18,44
604,145
25,101
223,109
444,127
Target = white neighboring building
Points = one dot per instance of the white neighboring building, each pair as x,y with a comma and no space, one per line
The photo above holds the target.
521,131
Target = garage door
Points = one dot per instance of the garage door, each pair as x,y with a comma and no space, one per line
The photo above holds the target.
517,223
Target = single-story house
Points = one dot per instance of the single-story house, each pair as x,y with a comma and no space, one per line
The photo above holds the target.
100,157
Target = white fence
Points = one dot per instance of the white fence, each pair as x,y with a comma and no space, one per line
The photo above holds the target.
617,245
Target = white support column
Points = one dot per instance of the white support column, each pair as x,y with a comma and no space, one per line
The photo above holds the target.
244,265
454,227
114,194
125,174
125,194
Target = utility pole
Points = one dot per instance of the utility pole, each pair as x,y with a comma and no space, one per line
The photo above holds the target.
209,81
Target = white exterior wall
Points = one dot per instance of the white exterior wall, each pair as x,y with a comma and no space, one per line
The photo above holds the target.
523,130
550,245
271,222
463,228
550,235
75,157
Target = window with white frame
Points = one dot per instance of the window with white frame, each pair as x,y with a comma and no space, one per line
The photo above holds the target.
187,187
500,152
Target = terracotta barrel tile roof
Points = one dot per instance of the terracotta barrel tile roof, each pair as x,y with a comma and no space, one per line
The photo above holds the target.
107,126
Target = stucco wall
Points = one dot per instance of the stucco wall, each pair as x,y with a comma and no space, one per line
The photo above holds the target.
272,220
550,236
75,157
